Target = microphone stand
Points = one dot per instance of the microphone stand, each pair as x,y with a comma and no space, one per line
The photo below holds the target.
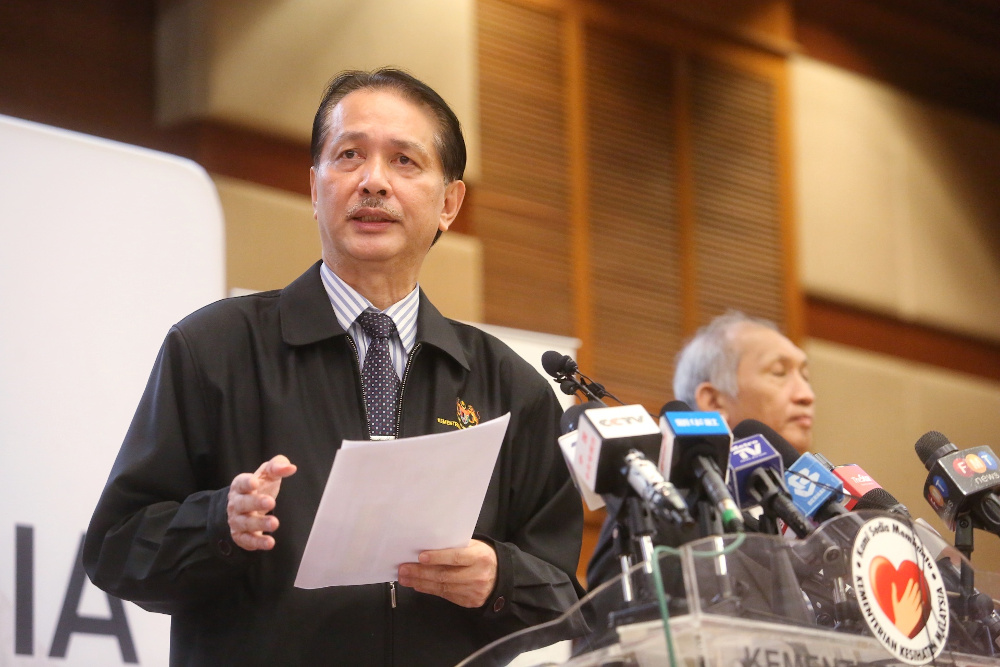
972,609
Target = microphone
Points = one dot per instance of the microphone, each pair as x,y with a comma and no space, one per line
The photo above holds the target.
816,491
765,485
960,482
699,442
614,451
880,499
857,483
746,457
563,369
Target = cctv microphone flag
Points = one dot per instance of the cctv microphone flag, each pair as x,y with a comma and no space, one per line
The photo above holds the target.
605,437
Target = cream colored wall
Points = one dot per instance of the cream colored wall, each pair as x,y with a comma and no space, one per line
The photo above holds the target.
871,409
264,64
271,239
898,205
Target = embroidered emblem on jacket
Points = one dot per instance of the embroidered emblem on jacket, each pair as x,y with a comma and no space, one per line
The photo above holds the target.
466,414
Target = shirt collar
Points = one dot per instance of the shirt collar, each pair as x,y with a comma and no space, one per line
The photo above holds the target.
348,303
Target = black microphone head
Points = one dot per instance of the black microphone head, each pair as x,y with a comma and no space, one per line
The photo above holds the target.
675,406
553,362
880,499
931,446
571,418
750,427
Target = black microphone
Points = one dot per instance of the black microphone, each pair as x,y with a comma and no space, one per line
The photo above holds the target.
960,482
880,499
699,444
564,369
615,450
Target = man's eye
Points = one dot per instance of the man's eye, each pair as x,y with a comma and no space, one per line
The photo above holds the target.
350,154
405,160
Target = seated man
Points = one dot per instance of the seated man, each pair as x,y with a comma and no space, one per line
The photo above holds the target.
743,368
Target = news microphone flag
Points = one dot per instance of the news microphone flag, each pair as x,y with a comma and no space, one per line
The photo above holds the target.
811,485
747,455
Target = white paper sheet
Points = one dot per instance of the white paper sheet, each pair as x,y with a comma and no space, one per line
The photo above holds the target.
386,501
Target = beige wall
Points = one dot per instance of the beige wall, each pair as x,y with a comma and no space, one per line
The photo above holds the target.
871,409
271,239
897,202
264,64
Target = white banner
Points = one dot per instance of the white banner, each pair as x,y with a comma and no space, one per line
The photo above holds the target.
103,246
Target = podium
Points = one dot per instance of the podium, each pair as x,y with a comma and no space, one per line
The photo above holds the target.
865,589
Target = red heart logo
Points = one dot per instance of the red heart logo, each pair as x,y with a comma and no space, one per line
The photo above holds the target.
903,594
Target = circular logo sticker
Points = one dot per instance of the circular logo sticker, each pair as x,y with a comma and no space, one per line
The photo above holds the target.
900,591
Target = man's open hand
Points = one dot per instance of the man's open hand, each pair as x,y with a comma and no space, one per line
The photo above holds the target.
251,497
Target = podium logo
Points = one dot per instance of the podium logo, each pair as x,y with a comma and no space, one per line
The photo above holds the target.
900,591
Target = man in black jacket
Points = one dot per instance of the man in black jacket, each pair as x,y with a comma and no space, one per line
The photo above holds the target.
272,383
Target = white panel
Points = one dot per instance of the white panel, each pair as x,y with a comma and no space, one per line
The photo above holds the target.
264,64
104,247
871,409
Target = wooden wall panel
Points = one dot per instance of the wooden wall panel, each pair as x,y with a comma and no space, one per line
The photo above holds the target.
634,237
521,205
740,254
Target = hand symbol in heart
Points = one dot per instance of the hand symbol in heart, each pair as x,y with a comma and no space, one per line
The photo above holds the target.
902,593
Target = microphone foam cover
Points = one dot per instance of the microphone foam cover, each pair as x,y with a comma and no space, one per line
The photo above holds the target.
750,427
929,443
880,499
675,406
553,362
571,418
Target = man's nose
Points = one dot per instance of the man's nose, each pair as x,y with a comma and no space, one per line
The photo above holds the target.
375,179
803,392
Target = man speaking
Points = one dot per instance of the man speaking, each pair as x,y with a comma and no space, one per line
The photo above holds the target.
210,502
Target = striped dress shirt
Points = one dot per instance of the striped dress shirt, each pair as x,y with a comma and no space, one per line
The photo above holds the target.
348,304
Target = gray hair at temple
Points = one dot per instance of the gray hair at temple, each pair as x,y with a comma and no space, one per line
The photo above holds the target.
710,357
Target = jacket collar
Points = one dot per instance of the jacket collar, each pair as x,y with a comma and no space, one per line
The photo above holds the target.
307,317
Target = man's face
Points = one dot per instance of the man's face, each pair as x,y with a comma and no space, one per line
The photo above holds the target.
773,385
378,191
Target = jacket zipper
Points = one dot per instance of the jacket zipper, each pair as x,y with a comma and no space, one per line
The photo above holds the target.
402,384
364,403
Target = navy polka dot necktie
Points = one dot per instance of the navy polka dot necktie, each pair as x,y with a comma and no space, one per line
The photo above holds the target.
381,384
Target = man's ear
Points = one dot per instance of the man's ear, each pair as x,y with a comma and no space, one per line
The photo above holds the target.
708,398
454,195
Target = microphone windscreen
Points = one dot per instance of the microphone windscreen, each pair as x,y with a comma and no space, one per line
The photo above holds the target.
751,427
675,406
571,418
880,499
553,362
928,444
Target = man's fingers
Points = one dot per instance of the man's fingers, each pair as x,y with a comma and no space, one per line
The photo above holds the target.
251,523
245,503
277,468
244,483
454,557
252,542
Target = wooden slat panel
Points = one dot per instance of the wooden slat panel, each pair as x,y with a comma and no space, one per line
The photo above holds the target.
737,192
635,251
521,211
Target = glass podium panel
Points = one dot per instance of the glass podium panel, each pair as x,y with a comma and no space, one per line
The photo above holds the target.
863,589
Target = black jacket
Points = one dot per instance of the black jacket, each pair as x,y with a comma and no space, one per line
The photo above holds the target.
244,379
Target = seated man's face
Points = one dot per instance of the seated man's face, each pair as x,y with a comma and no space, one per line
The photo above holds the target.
773,385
